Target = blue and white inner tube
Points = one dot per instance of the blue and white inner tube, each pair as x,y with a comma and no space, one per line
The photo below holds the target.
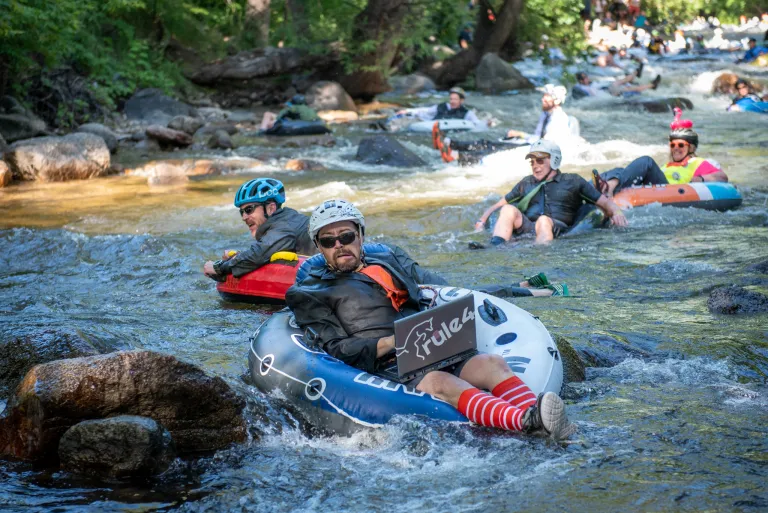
338,398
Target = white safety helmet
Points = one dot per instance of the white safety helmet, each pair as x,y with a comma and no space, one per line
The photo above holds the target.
556,92
543,146
333,211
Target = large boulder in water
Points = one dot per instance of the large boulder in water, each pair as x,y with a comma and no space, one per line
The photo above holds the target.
117,447
20,353
412,84
736,300
186,124
494,75
385,150
6,177
76,156
658,105
201,412
326,95
152,106
574,368
168,137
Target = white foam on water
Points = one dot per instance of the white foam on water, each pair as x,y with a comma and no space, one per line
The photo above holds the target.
696,371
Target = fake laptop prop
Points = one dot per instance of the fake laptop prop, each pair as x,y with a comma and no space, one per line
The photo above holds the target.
434,339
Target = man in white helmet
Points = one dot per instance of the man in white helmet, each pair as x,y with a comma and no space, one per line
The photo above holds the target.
348,307
553,125
546,202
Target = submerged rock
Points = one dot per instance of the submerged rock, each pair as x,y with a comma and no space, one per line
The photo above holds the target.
19,354
76,156
385,150
606,351
736,300
110,138
574,369
760,267
117,447
494,75
304,165
167,174
658,105
201,412
195,167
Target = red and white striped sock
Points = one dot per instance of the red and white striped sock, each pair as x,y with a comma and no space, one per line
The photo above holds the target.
515,392
486,410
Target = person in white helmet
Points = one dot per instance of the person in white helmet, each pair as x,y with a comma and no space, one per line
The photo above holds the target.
546,202
553,125
348,305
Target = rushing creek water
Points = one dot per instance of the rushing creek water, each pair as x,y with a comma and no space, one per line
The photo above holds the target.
677,423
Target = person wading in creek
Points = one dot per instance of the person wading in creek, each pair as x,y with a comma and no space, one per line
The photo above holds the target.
348,308
684,166
546,202
275,228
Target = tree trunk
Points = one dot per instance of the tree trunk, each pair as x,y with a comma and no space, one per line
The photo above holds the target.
490,37
257,21
374,44
299,20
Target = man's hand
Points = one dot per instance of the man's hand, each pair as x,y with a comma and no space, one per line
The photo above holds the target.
385,345
208,270
479,226
618,219
514,133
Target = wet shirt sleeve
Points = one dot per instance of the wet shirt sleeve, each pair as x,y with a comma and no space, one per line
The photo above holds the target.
587,190
516,194
321,324
259,253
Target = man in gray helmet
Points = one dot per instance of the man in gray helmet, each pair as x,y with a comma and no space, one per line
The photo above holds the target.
545,203
348,307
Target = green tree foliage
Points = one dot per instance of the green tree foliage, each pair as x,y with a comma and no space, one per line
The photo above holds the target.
121,44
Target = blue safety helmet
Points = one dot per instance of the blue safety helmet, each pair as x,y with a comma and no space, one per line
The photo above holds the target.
260,190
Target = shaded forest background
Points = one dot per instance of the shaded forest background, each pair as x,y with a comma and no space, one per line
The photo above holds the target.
115,47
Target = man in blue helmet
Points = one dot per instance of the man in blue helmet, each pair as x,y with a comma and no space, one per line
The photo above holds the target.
275,228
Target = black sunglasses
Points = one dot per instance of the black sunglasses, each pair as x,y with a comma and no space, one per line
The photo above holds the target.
248,210
345,238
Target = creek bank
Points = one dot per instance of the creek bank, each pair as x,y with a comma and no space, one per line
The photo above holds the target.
201,412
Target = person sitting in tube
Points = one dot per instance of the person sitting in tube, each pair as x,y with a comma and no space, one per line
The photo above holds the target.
546,202
454,108
553,125
348,307
296,108
684,166
275,228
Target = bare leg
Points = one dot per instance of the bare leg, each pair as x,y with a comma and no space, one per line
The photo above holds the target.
545,230
268,120
510,219
483,371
